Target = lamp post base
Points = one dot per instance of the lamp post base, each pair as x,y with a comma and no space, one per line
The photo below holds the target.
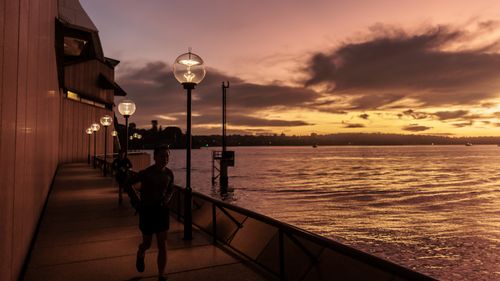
188,220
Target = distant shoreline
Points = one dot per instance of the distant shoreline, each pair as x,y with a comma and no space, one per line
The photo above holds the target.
154,138
352,145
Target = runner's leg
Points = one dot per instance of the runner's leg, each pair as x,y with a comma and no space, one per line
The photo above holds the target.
161,238
146,244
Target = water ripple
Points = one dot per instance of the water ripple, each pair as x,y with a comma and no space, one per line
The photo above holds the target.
432,208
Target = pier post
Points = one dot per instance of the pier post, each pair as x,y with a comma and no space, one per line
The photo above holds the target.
223,163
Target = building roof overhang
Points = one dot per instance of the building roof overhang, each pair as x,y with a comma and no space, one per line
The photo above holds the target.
105,83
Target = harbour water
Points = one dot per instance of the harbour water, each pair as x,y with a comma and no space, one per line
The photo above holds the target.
435,209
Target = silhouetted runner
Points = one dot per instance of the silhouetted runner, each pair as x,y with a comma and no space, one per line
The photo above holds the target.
155,192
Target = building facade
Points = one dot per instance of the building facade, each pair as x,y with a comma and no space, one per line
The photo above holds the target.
54,83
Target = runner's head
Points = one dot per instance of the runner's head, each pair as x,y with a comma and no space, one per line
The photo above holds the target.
160,155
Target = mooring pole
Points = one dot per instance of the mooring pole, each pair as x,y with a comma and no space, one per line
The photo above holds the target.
223,162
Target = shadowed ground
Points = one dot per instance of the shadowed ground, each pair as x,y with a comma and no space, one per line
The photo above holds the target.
85,235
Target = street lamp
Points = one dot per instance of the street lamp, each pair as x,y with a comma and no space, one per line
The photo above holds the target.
89,132
126,108
135,136
95,127
114,133
106,121
189,70
133,143
139,137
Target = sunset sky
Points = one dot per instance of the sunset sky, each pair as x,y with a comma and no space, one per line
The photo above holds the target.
316,66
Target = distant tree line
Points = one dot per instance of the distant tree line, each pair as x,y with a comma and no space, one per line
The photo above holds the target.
174,137
150,138
345,139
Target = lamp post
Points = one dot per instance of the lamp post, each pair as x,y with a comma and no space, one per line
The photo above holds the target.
89,132
95,127
126,109
114,133
106,121
189,70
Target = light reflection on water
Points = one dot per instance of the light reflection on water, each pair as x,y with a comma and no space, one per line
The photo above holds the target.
435,209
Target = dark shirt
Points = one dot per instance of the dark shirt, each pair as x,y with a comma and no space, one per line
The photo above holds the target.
156,186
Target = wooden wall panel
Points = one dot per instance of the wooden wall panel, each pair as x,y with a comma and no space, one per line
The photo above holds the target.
2,43
7,133
71,131
74,141
53,91
29,110
39,127
33,183
80,133
83,78
21,242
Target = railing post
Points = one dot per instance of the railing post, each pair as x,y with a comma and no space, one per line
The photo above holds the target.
213,172
179,194
214,223
281,254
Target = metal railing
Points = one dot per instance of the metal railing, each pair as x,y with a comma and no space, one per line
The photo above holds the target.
288,252
99,160
109,160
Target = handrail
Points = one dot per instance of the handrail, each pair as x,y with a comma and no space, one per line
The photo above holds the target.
99,158
320,240
236,222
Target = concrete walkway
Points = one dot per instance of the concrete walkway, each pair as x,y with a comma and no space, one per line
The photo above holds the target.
85,235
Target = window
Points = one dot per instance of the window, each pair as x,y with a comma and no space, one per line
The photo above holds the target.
74,46
74,96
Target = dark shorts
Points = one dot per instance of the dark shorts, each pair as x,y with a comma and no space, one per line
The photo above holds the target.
121,177
154,219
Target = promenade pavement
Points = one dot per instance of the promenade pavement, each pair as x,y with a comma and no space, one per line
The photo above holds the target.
85,235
